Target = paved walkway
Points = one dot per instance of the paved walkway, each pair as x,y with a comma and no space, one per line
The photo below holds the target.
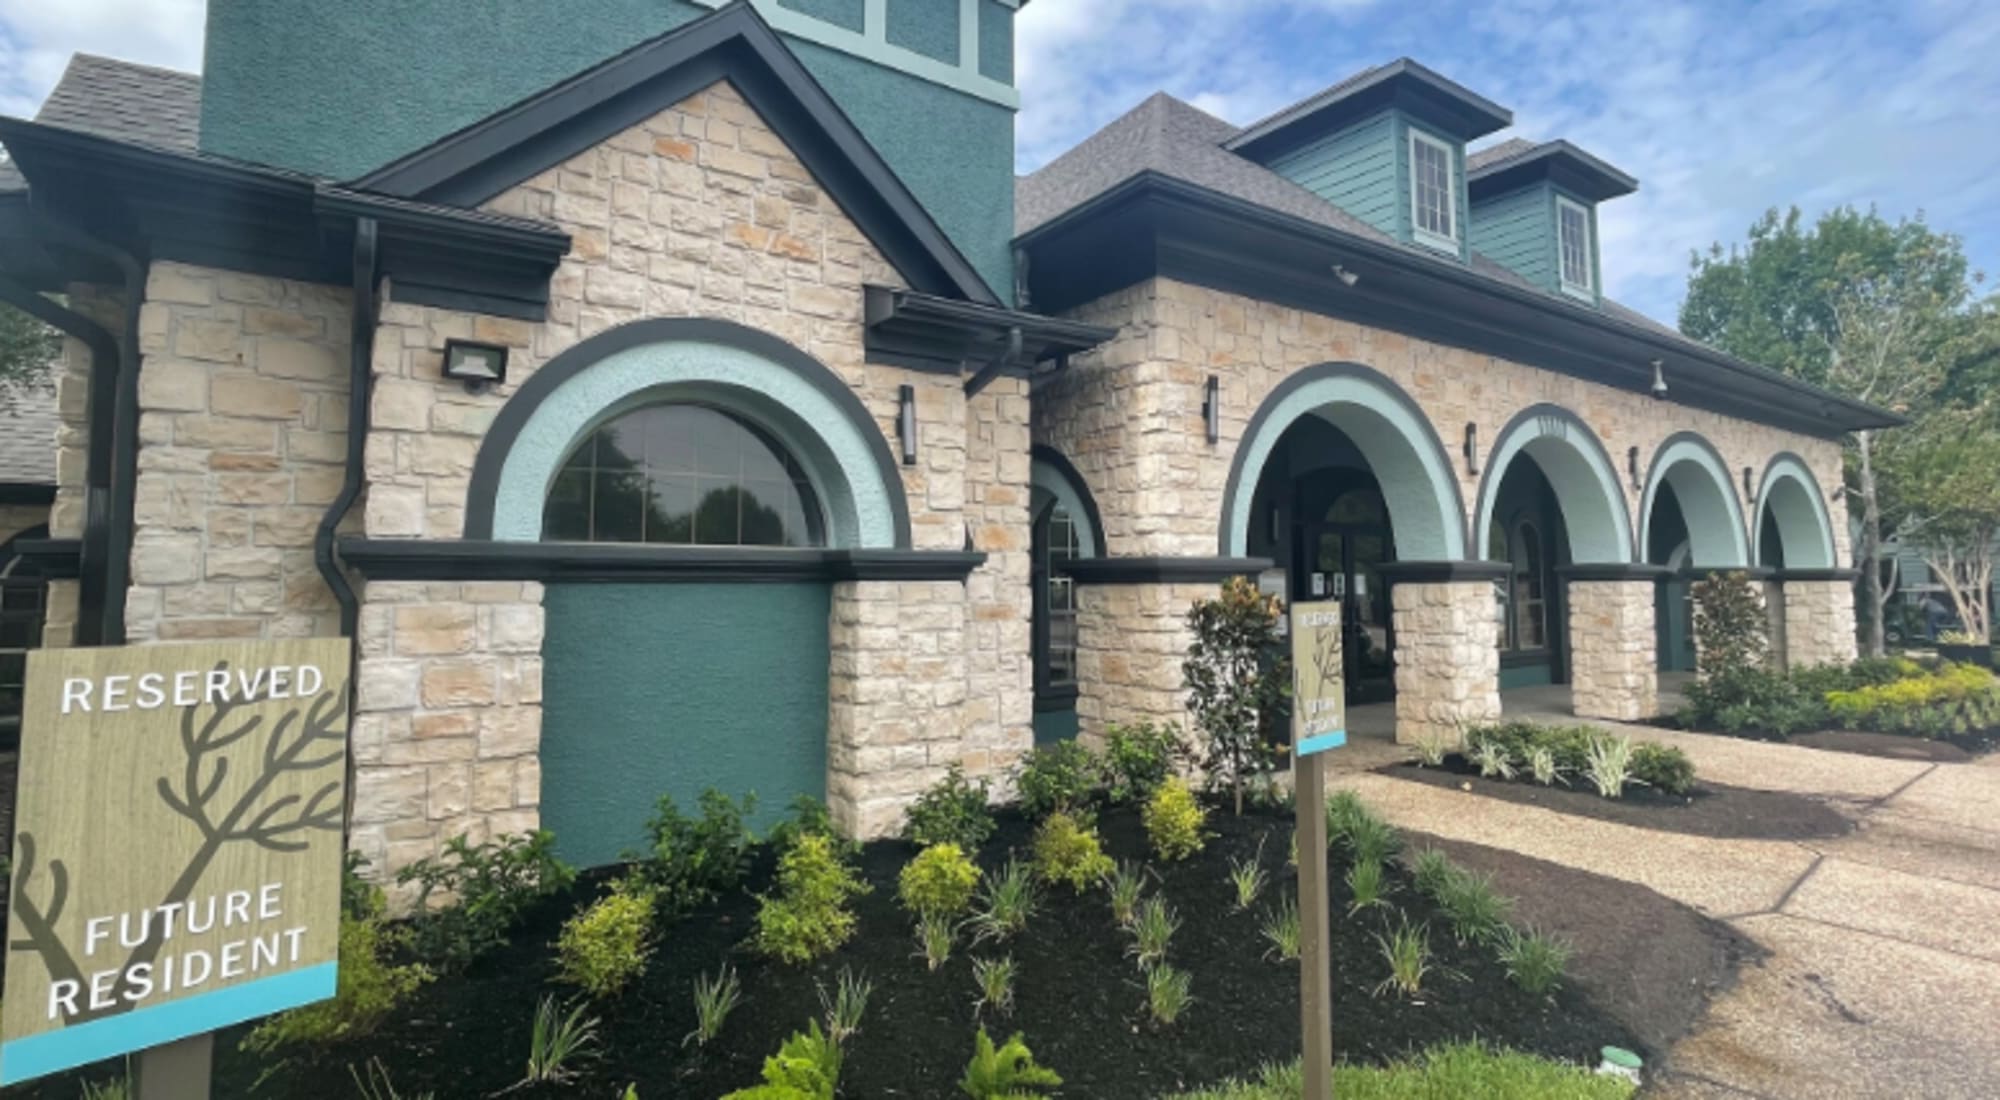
1884,977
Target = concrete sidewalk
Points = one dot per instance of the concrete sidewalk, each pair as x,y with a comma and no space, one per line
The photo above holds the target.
1884,977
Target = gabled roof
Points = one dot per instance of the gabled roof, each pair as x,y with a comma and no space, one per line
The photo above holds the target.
28,436
122,100
478,162
1513,162
1401,83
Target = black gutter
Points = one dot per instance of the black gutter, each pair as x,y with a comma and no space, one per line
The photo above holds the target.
360,386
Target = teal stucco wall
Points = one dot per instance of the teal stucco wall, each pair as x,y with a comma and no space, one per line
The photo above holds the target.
338,90
671,689
1056,725
930,27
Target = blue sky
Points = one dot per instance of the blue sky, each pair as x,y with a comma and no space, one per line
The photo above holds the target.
1721,108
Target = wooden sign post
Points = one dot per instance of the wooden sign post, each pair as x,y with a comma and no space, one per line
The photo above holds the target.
177,851
1319,723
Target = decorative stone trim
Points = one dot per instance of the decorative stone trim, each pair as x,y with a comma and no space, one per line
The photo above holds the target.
1613,668
1818,617
1447,665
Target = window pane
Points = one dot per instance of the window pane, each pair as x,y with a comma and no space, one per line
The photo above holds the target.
682,474
1575,233
1431,166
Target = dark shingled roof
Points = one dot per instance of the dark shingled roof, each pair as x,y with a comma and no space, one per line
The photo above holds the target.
28,436
122,100
1494,154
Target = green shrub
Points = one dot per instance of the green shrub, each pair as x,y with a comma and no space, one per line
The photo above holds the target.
1477,913
1662,767
808,916
1454,1070
490,883
806,1067
1751,698
1008,1073
938,883
1352,825
1137,759
1236,673
1174,821
1729,624
809,815
953,811
366,990
1008,899
1066,850
604,947
1060,778
1956,699
689,861
1534,961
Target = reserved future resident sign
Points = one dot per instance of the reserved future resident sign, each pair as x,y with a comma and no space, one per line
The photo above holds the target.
177,846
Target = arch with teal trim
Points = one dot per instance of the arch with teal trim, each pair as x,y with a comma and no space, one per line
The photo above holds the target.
1426,509
1574,461
1709,505
1053,480
1791,496
791,395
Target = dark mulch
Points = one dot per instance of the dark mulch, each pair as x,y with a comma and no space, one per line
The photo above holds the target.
1712,809
1949,748
1080,1001
1652,963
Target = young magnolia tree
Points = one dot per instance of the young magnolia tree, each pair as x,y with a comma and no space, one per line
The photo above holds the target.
1236,676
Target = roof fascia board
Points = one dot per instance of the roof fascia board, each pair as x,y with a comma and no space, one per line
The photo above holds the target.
1557,161
479,162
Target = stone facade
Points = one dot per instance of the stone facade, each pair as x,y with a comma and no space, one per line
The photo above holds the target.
1130,642
242,434
897,691
1819,623
1613,666
1447,667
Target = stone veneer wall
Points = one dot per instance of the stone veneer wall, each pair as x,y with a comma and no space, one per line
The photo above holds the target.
1130,642
1613,668
1447,665
702,211
1819,623
242,435
1128,415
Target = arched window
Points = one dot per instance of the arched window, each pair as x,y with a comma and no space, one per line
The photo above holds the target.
682,474
1055,544
23,602
1522,596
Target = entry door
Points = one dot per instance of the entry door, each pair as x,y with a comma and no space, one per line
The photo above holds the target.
1344,563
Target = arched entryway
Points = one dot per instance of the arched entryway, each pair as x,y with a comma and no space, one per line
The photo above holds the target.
1793,529
1338,475
1066,528
1548,499
1690,521
726,448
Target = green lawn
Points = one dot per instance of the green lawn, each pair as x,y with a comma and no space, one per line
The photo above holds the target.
1461,1071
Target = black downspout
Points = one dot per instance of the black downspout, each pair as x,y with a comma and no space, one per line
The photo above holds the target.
360,383
105,356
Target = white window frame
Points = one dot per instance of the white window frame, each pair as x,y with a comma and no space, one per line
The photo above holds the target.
1445,241
1587,289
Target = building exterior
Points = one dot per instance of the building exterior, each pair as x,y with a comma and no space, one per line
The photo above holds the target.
607,383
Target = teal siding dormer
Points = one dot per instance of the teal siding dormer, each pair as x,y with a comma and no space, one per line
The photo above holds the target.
1517,230
1366,169
1534,211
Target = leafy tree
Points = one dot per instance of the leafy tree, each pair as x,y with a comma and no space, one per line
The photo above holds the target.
1878,311
1233,682
27,347
1947,469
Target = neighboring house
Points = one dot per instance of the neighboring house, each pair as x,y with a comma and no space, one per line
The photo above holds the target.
27,487
606,381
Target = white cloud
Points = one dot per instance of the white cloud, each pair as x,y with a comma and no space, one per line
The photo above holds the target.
1720,109
37,38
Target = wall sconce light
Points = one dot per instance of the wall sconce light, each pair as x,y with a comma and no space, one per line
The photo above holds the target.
1211,408
1749,491
1659,379
906,422
476,365
1471,447
1632,468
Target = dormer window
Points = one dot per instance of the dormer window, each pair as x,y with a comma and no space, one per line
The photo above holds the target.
1573,247
1433,191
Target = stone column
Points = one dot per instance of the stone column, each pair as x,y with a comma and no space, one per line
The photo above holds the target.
1447,658
1131,639
896,699
1613,665
1819,621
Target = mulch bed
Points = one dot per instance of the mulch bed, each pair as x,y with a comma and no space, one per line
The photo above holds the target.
1712,809
1651,962
1079,1000
1948,749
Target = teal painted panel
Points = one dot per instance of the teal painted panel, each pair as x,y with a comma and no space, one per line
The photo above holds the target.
338,90
1055,725
996,41
849,14
1354,169
671,689
930,27
1519,676
1518,230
